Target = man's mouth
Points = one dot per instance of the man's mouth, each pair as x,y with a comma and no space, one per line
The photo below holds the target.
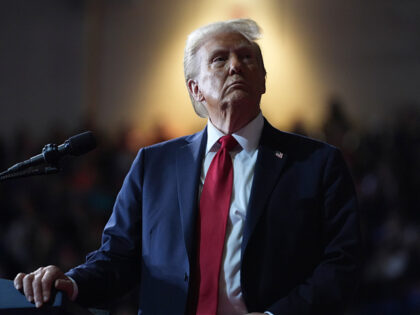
237,84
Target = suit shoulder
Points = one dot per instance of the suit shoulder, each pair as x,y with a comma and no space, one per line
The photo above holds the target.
172,144
299,143
310,142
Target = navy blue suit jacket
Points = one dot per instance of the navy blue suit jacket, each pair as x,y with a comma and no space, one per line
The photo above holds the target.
301,242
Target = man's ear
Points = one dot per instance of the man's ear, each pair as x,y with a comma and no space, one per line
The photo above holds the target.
194,90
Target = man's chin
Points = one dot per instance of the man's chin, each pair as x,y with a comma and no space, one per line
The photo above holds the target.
239,95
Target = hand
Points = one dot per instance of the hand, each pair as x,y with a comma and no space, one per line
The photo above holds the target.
37,284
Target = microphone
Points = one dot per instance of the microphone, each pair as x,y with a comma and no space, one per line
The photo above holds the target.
52,153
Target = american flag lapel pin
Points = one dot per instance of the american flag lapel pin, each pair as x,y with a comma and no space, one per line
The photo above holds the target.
279,154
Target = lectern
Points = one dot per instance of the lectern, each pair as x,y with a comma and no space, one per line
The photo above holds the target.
12,302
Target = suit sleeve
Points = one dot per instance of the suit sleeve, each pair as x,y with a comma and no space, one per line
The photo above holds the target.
114,268
335,279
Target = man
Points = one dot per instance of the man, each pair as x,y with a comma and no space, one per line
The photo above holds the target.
237,218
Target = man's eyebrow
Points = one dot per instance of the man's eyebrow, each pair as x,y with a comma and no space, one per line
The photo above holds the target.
220,50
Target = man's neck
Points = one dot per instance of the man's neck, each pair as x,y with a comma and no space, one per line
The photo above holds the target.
229,124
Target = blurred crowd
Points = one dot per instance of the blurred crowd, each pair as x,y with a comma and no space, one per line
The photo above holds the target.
57,219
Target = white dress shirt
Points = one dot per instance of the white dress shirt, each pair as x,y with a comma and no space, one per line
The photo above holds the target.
244,157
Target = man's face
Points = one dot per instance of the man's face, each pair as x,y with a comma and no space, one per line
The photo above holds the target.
231,79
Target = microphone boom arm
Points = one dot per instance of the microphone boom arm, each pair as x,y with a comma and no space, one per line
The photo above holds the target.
44,170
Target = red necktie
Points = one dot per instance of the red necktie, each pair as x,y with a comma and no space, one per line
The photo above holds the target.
214,209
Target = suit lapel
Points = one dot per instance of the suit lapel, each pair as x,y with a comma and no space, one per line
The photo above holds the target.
270,161
188,168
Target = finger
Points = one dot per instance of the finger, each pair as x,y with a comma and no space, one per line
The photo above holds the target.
18,281
27,287
37,289
50,275
39,270
65,285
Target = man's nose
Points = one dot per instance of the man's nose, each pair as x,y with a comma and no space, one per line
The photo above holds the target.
235,65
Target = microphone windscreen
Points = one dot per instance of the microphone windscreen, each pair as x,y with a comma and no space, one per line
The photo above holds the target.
81,143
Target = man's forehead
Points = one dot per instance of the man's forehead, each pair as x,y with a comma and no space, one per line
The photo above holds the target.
226,40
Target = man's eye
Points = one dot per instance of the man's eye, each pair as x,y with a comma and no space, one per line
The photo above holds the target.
218,59
247,57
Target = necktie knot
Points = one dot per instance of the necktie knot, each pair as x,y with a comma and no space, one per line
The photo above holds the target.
228,142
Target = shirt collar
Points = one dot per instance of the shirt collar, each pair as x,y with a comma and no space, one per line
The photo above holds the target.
248,136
